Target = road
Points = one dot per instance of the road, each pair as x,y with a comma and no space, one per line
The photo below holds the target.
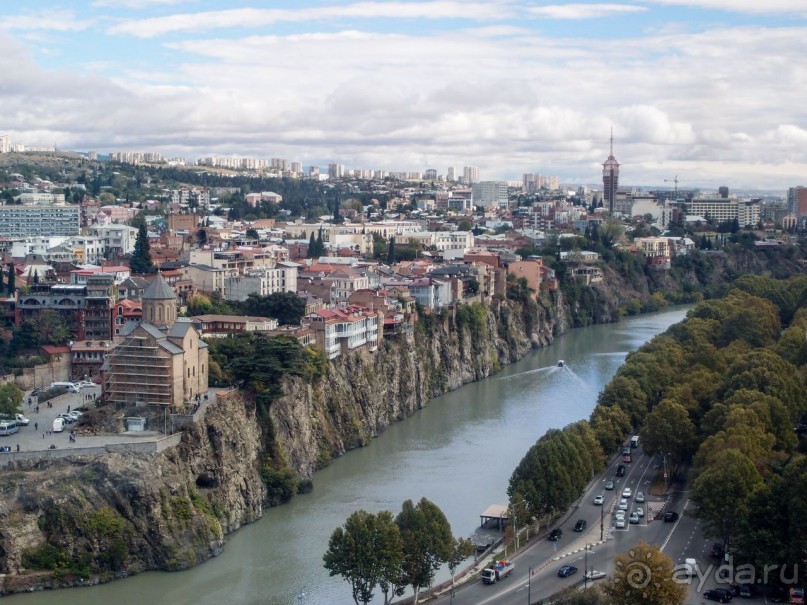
545,558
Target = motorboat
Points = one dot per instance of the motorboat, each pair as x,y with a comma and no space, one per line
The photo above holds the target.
561,363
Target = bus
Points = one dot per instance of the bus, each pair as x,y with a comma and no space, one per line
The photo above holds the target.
8,427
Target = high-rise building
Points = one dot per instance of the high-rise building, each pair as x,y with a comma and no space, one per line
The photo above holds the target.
610,178
451,175
528,182
336,171
430,174
5,143
797,201
491,192
470,175
31,221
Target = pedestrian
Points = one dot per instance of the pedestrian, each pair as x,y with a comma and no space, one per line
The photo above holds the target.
37,409
68,408
18,447
36,426
43,434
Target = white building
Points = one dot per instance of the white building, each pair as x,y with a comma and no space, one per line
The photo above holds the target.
262,281
115,238
26,221
722,209
489,193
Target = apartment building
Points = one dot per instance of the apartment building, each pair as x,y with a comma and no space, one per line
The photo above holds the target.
262,281
28,221
346,329
722,209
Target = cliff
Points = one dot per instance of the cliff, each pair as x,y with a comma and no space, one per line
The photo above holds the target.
81,519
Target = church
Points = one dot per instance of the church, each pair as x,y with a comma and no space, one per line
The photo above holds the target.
160,359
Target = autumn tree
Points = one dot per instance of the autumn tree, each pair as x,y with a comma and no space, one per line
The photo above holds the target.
645,576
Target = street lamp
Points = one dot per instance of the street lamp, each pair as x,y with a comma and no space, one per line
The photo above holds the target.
602,521
585,570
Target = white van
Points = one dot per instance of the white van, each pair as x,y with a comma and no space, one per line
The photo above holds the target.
69,386
634,441
58,425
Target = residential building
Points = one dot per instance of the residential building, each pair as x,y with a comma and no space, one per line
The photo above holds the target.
531,270
224,325
345,329
262,281
87,358
430,293
470,175
720,209
797,201
27,221
487,193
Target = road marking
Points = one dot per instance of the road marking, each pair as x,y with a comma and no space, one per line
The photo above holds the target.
677,521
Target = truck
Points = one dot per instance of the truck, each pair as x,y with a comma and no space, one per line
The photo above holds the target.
500,570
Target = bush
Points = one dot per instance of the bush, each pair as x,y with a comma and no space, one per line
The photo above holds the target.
305,486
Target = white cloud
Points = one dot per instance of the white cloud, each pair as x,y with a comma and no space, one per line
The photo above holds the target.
136,4
53,20
584,11
254,18
743,6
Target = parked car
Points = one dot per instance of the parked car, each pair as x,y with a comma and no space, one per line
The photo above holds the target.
580,525
566,571
627,493
717,550
85,384
67,417
747,590
22,420
595,575
639,511
721,595
623,504
639,497
599,499
555,535
609,484
634,519
670,516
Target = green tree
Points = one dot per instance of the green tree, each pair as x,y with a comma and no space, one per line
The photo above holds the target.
367,552
286,307
10,287
645,576
10,399
668,429
391,251
460,551
723,490
252,234
312,246
140,261
50,329
427,542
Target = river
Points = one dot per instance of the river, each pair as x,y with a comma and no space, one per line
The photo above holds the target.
458,452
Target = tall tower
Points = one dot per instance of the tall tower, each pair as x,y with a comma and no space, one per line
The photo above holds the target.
610,177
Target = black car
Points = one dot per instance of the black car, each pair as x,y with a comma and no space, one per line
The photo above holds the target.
620,470
746,590
670,516
555,534
717,550
566,571
580,525
721,595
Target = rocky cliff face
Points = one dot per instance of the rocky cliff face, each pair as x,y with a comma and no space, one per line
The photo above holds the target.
93,519
90,519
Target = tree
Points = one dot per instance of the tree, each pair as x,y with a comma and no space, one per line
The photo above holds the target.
50,329
391,251
286,307
10,399
669,430
427,542
252,234
367,553
11,278
723,490
1,277
312,246
645,576
337,217
460,551
141,257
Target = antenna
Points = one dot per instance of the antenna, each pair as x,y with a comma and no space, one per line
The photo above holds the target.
612,139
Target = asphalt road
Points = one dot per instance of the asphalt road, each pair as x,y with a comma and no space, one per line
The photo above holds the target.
545,558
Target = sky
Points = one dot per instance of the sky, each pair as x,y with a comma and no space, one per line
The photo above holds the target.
712,92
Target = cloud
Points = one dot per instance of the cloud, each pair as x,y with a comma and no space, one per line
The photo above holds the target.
255,18
136,4
53,20
743,6
584,11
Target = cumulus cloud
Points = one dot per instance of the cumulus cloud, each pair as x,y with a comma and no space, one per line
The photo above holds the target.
53,20
584,11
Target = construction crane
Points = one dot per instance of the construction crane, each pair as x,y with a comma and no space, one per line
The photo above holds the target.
676,180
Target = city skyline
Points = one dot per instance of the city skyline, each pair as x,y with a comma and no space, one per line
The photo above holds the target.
705,90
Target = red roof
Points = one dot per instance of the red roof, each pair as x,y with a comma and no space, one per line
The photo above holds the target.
53,350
